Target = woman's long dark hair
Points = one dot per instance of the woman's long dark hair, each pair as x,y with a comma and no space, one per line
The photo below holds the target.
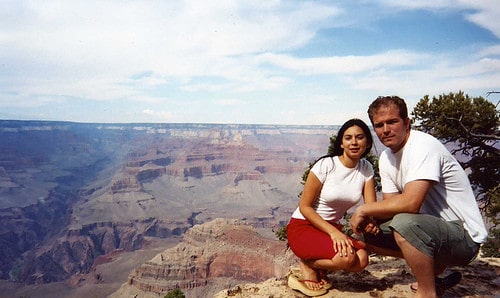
338,150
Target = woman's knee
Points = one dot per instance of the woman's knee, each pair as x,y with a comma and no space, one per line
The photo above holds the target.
344,262
363,258
355,262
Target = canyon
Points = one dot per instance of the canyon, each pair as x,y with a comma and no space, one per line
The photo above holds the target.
71,193
124,210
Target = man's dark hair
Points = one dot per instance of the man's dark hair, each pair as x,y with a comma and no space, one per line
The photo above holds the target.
385,101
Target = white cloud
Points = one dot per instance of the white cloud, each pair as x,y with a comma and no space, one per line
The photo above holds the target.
486,14
159,115
101,44
490,51
230,102
342,64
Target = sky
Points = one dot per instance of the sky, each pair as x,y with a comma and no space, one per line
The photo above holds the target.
246,62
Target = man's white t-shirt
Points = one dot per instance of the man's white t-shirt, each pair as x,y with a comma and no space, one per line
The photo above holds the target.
425,158
342,187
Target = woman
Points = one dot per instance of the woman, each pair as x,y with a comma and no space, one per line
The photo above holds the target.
335,183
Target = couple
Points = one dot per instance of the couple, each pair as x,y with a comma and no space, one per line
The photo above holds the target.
428,215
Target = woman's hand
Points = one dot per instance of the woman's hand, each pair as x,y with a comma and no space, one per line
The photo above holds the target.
342,244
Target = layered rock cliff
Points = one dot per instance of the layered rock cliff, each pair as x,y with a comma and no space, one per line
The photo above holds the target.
222,248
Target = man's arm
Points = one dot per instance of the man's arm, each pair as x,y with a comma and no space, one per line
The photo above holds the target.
409,201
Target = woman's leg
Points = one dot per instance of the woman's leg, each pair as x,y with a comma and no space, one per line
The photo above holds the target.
353,262
361,261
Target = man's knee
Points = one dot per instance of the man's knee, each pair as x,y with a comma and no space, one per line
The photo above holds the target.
400,240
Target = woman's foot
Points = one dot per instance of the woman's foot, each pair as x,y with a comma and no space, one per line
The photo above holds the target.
323,279
296,283
310,277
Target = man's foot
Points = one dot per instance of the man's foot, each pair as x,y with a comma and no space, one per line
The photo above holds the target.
444,283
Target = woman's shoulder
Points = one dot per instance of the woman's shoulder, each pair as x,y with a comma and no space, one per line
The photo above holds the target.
325,162
326,158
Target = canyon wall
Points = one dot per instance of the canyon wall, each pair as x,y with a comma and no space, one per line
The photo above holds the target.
71,192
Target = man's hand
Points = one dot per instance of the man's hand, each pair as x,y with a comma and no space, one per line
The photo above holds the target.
370,227
363,224
358,221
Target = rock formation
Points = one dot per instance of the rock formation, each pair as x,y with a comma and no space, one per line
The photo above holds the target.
222,248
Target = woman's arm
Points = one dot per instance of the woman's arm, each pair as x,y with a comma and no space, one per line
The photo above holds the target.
370,196
310,194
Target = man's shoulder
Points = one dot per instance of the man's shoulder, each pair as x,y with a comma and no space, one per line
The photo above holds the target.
420,134
424,140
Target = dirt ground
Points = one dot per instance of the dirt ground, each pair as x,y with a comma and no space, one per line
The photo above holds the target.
383,278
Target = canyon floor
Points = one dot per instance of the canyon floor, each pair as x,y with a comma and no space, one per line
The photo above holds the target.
113,271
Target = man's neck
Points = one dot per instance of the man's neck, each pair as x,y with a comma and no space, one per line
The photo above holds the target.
403,143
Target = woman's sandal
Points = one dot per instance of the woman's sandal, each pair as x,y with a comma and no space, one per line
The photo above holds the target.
298,284
327,284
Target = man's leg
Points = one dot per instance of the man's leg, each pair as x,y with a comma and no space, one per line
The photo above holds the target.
443,243
421,265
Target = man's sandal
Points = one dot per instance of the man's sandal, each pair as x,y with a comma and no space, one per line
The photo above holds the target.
298,284
444,283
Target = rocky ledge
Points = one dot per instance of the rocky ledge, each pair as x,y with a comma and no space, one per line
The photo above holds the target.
383,278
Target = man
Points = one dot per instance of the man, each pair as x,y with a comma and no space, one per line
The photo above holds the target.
431,216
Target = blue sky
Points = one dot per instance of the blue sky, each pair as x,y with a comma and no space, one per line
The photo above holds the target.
228,61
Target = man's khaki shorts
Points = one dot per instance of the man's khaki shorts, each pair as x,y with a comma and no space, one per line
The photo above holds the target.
448,243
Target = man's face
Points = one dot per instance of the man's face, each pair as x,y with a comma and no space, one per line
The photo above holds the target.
391,129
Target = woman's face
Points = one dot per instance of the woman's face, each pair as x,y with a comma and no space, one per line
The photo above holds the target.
354,142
